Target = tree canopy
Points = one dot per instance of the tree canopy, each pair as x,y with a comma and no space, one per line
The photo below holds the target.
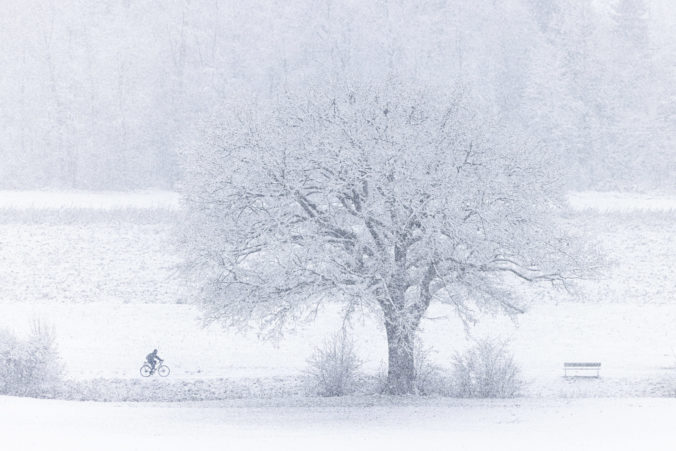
379,196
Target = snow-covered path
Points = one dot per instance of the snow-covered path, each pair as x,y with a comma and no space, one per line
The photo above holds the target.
342,424
99,200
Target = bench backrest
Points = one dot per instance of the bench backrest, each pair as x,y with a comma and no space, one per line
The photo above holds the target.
582,364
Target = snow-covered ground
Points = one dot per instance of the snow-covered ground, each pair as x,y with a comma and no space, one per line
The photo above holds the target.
636,344
343,424
581,200
100,200
613,201
98,262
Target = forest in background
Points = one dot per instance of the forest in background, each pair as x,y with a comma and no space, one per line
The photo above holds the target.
106,94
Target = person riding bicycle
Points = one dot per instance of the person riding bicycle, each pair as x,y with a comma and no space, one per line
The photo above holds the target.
153,359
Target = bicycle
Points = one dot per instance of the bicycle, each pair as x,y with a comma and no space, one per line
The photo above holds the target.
161,369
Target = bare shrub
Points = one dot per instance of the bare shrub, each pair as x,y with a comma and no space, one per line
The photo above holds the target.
486,370
333,368
428,375
29,367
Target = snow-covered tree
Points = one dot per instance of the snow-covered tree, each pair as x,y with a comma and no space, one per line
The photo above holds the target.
378,197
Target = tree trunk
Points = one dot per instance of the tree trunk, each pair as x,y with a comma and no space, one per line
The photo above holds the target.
401,364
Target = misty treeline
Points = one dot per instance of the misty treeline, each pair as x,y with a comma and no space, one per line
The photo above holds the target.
104,94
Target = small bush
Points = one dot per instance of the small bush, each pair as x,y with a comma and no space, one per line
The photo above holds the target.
428,379
486,370
333,368
29,367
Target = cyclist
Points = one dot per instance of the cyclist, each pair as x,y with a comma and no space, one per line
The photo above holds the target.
152,359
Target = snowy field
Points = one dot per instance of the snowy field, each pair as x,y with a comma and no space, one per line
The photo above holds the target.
342,424
612,201
635,344
112,293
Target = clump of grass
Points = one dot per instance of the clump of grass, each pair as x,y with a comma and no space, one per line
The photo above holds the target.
31,366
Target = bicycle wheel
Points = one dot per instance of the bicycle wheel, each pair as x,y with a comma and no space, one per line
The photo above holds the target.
145,370
163,371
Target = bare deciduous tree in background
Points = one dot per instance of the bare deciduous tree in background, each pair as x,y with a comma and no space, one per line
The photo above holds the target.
379,197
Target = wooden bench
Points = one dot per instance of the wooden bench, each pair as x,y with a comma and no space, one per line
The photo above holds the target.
581,366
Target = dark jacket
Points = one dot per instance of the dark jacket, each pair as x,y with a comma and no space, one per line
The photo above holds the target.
152,357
